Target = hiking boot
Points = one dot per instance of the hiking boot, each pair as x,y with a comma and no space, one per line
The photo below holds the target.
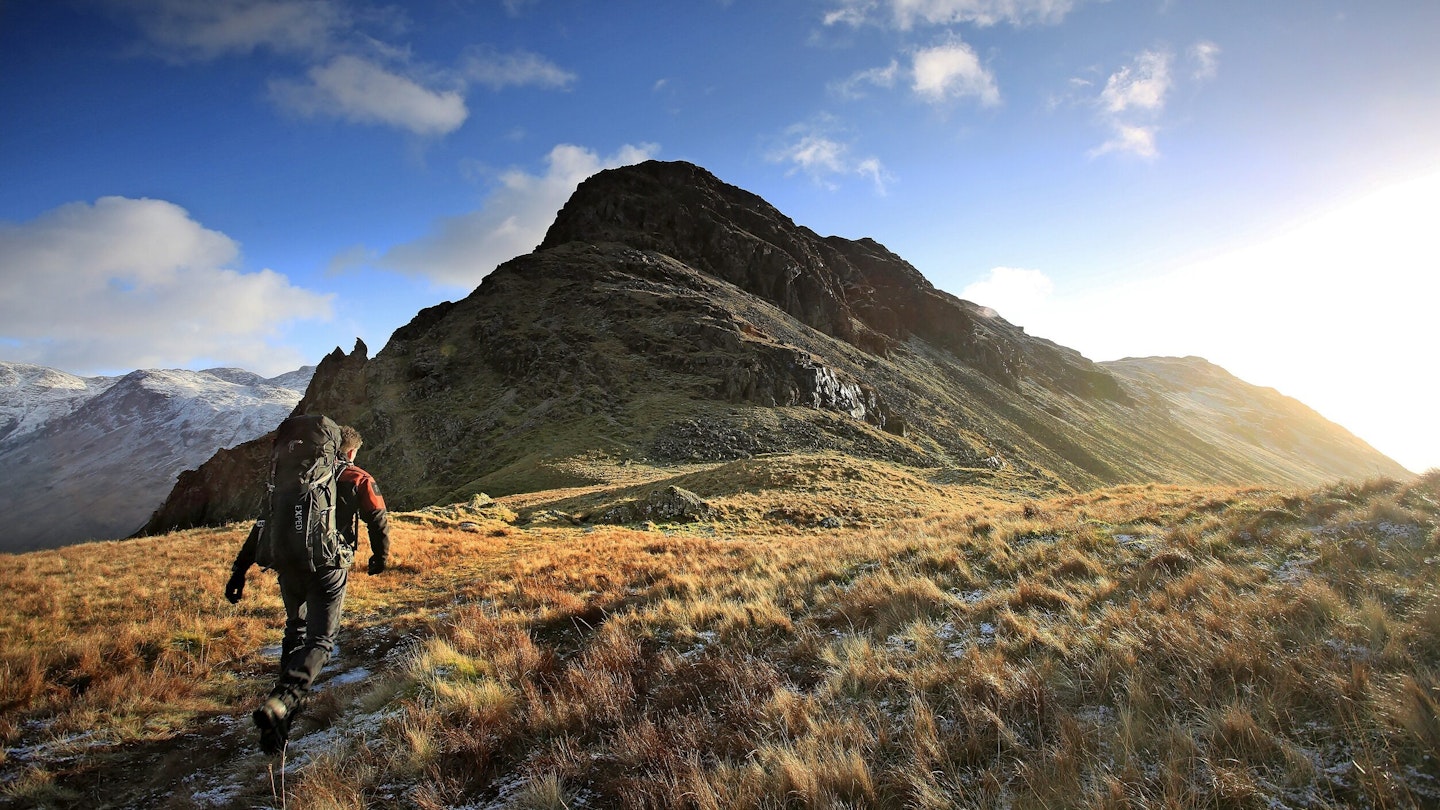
273,719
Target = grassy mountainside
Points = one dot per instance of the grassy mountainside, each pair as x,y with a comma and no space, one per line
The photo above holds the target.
1285,436
1137,646
584,349
670,318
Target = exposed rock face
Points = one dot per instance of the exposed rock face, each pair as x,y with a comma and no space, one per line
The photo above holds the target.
858,292
93,457
338,382
670,317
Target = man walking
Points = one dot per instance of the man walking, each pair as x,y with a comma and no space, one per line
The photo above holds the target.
314,598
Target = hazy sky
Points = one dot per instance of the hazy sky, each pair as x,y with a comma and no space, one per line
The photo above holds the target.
255,182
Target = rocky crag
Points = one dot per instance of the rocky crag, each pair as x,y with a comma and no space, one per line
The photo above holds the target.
669,317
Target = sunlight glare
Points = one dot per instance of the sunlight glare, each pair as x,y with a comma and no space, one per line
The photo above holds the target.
1337,311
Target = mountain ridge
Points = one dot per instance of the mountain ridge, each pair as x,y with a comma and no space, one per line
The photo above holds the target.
32,395
1218,404
669,317
88,458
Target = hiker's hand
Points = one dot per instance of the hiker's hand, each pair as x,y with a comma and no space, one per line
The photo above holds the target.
377,564
235,588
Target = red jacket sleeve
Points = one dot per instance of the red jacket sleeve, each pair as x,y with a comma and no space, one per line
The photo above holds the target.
370,505
368,499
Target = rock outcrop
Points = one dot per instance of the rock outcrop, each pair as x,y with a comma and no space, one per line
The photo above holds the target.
663,505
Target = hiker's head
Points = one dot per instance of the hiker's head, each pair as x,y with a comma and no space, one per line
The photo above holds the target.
349,442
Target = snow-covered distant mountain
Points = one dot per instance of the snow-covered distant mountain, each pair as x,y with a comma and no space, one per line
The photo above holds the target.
31,396
91,457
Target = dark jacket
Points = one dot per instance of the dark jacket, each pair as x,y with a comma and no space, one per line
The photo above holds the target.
359,498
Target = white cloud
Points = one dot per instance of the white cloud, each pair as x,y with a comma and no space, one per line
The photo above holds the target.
1017,294
816,154
461,250
851,12
951,71
937,74
519,69
854,87
126,283
359,91
352,73
1134,140
873,169
1141,86
812,150
1206,57
190,30
906,14
1133,97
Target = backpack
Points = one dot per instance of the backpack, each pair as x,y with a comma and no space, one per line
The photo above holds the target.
305,465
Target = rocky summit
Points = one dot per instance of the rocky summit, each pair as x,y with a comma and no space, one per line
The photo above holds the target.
669,317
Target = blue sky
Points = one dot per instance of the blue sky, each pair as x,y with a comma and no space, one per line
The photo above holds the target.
255,182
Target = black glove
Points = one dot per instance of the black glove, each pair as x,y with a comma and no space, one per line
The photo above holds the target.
235,588
377,564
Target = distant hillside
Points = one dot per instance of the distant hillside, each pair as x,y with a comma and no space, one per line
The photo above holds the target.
669,317
31,396
1283,435
86,458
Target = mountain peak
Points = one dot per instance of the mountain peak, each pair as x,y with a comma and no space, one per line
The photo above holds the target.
669,317
856,291
621,204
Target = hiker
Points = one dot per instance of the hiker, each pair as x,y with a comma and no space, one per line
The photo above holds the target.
314,598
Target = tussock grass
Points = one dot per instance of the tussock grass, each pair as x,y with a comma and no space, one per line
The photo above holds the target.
1142,646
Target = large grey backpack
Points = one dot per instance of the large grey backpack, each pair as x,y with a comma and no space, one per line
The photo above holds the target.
305,466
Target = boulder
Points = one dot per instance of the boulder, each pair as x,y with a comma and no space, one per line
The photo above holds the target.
671,504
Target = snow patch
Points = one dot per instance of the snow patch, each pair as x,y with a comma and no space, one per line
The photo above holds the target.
346,678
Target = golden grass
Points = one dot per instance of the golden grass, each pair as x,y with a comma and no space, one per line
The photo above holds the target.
1143,646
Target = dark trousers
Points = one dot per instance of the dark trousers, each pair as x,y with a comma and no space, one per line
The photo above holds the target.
313,601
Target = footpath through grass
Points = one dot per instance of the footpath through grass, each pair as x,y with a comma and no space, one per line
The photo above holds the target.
1134,647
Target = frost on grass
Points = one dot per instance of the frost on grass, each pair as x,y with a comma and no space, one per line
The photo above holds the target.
959,641
971,673
218,796
304,750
